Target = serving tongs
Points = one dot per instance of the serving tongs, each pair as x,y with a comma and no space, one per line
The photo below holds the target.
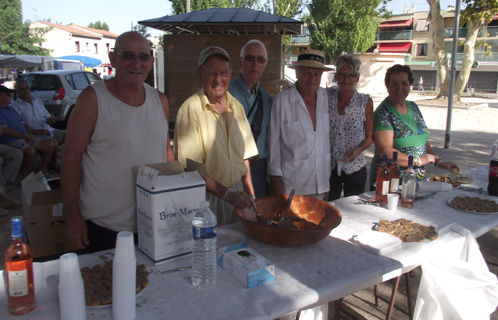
471,189
285,222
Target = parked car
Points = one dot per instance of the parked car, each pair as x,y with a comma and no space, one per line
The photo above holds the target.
58,89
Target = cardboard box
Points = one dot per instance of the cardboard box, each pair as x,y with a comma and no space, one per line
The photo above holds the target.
246,265
44,219
167,198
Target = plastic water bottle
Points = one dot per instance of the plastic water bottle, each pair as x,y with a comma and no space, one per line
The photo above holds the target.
204,247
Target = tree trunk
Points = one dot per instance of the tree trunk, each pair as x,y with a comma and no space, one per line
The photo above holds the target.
438,46
468,58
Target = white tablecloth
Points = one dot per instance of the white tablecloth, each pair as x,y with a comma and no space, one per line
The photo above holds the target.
305,276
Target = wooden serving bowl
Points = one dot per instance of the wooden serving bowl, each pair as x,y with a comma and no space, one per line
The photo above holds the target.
321,217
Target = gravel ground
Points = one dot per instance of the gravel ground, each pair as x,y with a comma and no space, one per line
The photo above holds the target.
473,131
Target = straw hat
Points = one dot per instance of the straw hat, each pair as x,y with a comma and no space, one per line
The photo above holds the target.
311,58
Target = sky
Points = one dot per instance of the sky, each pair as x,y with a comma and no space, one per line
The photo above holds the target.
120,15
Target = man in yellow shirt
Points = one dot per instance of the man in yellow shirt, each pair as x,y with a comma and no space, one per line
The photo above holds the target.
211,128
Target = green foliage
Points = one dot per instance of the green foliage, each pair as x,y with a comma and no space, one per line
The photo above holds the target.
17,37
179,6
477,10
288,8
99,25
143,30
338,26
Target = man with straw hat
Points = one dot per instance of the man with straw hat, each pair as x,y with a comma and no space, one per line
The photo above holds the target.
299,132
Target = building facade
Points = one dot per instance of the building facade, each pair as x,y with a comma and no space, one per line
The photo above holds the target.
409,35
77,40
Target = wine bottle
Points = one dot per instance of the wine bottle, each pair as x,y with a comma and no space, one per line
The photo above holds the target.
19,271
382,188
394,174
408,186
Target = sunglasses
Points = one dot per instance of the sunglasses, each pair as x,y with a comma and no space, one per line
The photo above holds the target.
129,56
251,58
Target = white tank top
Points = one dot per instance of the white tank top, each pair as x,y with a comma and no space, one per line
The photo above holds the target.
124,136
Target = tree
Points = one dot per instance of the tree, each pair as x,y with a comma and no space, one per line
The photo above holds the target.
288,8
476,15
99,25
338,26
143,30
17,37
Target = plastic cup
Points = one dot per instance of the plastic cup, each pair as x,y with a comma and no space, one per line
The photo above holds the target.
125,247
69,268
71,288
392,201
124,277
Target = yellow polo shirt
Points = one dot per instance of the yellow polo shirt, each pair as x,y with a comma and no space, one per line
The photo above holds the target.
202,135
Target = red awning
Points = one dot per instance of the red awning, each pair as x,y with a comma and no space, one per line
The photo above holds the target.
396,24
395,47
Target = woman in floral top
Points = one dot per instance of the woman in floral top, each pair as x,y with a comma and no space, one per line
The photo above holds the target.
351,129
399,126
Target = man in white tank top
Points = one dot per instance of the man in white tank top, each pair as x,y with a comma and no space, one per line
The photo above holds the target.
116,124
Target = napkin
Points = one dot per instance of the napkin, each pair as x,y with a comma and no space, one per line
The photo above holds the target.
378,242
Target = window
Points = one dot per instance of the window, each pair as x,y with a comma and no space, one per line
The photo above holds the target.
95,48
78,80
422,25
93,78
422,49
43,82
77,46
87,46
108,47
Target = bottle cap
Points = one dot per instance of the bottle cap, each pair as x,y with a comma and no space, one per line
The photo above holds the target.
16,225
204,204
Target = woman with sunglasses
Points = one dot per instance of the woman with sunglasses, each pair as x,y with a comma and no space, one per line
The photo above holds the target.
351,129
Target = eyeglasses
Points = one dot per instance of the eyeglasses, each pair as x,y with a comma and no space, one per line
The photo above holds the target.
130,56
342,75
251,58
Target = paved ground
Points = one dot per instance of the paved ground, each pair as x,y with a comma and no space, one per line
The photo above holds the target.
473,131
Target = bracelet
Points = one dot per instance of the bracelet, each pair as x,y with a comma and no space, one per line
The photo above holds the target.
253,197
416,162
436,163
226,192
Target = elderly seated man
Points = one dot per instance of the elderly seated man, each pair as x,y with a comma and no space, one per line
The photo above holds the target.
16,135
34,114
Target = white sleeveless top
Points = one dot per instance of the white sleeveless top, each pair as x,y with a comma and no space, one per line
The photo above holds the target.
124,136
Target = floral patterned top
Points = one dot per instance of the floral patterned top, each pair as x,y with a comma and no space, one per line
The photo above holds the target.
410,133
347,131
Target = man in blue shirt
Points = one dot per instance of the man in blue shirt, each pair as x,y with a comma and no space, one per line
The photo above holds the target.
257,104
15,134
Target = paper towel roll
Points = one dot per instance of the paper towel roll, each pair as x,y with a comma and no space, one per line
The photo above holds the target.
433,186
